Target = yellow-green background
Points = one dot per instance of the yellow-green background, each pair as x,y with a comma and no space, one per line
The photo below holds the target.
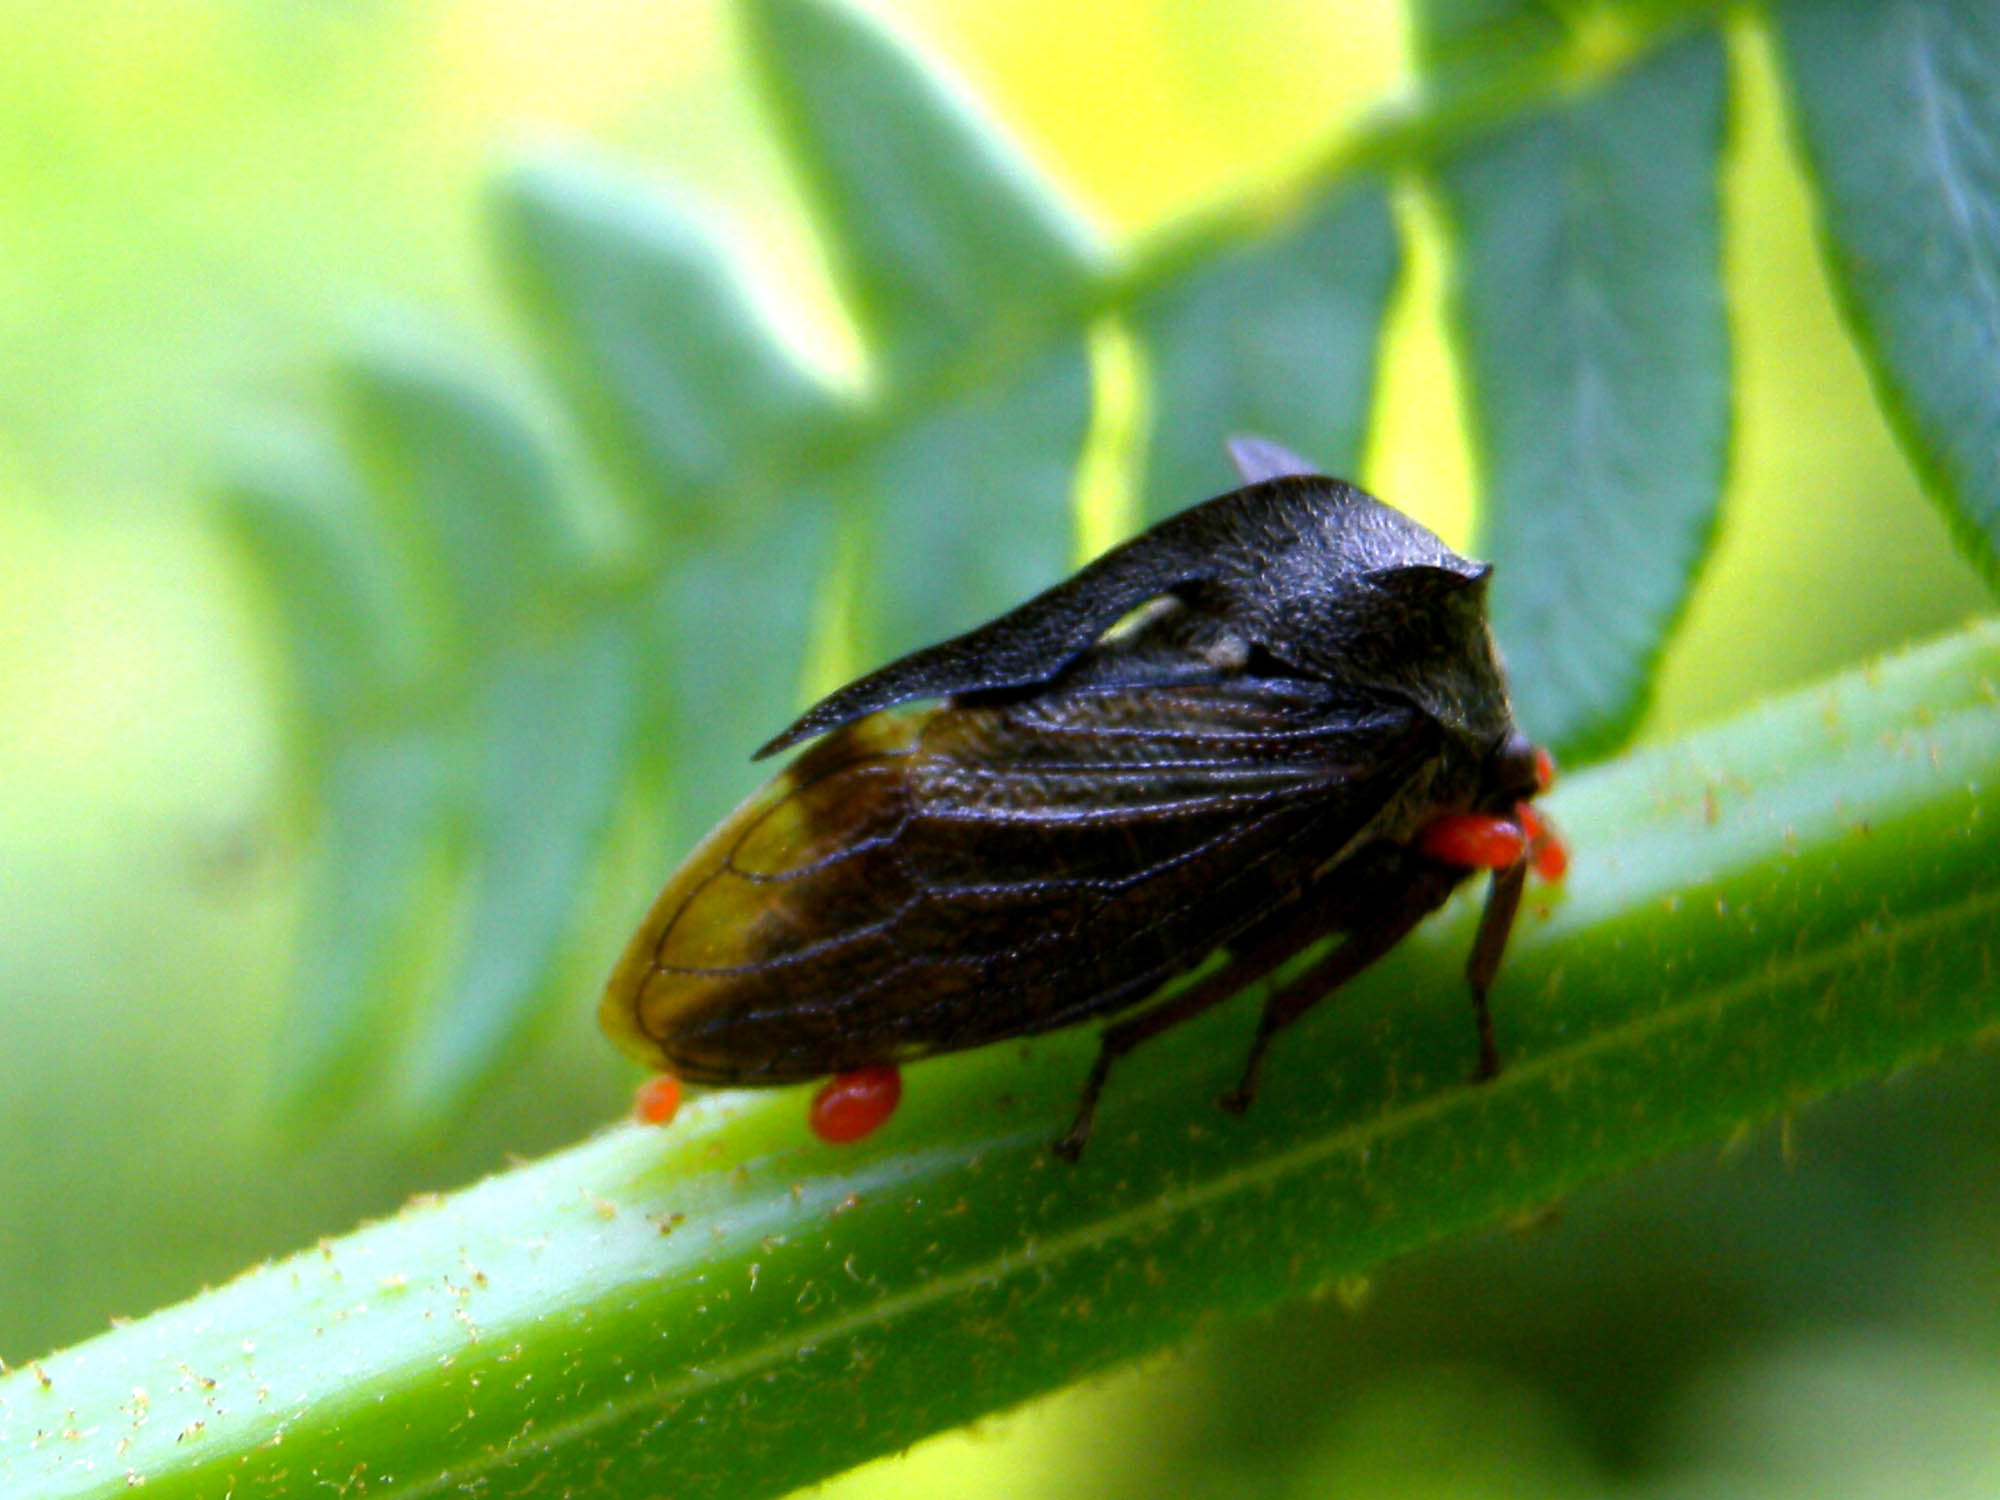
201,199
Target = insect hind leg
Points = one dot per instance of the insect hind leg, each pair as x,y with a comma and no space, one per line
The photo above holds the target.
1380,928
1243,969
1360,949
1370,941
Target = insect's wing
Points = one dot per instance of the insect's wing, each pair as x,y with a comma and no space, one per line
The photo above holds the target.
752,900
919,883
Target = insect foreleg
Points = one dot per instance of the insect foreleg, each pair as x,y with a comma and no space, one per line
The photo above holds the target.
1496,922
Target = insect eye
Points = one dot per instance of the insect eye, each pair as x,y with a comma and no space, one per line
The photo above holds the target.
1519,767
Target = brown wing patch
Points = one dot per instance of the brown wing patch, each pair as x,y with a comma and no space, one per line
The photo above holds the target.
762,888
920,882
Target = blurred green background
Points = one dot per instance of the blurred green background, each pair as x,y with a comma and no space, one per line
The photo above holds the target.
205,199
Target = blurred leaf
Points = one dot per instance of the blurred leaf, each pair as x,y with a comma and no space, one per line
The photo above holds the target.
727,625
726,1309
945,239
1590,319
682,657
469,490
377,790
295,509
1593,342
1898,110
381,818
554,722
476,499
969,503
694,408
1462,41
650,337
1274,336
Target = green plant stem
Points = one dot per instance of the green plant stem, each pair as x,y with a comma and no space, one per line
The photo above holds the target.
1785,905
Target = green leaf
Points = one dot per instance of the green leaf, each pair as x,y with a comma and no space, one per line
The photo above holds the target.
1898,109
465,484
382,812
1459,40
945,239
1274,336
294,509
727,626
547,711
672,373
1590,322
949,496
969,503
1764,912
696,410
555,722
378,791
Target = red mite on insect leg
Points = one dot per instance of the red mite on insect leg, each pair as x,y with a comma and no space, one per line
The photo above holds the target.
1546,850
1475,841
1489,841
1275,717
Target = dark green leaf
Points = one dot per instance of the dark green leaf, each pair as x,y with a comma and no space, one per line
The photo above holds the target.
1899,112
676,379
970,502
729,623
945,239
554,724
1275,337
1590,319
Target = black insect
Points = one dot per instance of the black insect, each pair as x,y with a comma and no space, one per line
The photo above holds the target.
1273,717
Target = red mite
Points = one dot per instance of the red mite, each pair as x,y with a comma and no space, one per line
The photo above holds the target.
855,1105
1274,717
658,1101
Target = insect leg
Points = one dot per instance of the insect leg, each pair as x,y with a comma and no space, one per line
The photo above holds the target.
1362,947
1272,948
1503,900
